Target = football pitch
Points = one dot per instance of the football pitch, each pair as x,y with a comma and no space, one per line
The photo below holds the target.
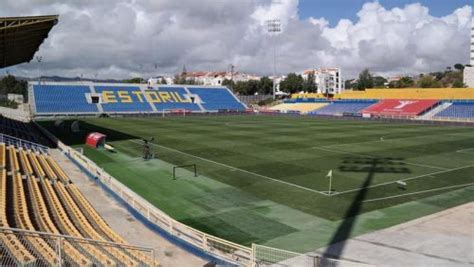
263,179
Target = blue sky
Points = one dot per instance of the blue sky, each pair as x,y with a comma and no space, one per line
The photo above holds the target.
334,10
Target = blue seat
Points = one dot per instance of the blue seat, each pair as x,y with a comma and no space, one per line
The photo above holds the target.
338,108
218,98
463,110
62,99
178,101
137,105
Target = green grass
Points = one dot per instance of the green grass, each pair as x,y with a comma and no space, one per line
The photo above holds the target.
262,179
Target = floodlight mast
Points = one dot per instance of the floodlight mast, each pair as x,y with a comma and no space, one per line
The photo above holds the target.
274,27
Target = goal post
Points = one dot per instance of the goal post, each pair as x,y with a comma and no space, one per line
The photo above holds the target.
174,112
194,166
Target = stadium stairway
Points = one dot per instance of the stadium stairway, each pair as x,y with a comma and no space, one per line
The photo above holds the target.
119,218
431,113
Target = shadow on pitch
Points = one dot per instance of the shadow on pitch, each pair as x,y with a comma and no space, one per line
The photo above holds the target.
371,166
64,131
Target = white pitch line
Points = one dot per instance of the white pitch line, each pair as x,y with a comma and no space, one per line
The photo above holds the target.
407,179
420,192
369,156
238,169
462,151
382,138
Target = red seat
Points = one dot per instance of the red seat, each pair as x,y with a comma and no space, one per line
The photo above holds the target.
396,107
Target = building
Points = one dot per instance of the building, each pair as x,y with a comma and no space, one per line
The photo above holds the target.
160,79
216,78
469,70
328,80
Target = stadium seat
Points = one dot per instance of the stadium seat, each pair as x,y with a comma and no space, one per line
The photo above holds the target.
219,98
460,110
25,164
2,156
178,93
410,93
136,104
340,107
14,248
37,169
84,226
62,99
22,220
63,222
396,107
43,220
97,222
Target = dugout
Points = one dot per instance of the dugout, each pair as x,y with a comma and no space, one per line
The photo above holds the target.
95,140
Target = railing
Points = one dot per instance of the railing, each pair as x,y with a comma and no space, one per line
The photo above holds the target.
20,143
30,248
214,246
267,256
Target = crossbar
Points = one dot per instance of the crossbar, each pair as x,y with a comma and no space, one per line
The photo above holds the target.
182,167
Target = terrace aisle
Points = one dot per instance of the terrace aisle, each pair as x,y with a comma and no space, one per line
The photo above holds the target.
445,238
122,222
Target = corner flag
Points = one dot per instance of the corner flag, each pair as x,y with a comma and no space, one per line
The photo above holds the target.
329,174
330,181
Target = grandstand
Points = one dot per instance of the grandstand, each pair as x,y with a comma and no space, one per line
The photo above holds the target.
38,196
451,104
457,109
339,108
410,93
92,98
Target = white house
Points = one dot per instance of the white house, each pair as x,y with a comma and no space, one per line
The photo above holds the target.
469,71
328,80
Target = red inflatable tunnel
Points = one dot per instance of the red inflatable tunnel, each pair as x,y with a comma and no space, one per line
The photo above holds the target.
95,140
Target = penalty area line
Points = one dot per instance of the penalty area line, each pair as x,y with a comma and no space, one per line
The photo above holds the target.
420,192
232,168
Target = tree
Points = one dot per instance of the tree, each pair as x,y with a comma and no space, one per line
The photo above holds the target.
458,84
349,84
10,85
406,81
292,84
309,85
379,81
429,81
228,83
365,80
163,81
459,66
266,86
134,80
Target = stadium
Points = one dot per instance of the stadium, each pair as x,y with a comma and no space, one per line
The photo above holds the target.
110,174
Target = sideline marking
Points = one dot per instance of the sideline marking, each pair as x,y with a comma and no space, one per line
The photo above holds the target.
407,179
237,169
463,151
420,192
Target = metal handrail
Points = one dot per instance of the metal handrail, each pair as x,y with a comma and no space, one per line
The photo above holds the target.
6,138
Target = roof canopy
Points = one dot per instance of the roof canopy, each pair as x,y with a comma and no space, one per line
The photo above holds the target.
20,37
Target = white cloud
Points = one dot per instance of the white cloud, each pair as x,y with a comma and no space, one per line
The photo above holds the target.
121,38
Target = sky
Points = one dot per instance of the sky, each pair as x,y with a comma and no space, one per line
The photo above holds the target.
129,38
